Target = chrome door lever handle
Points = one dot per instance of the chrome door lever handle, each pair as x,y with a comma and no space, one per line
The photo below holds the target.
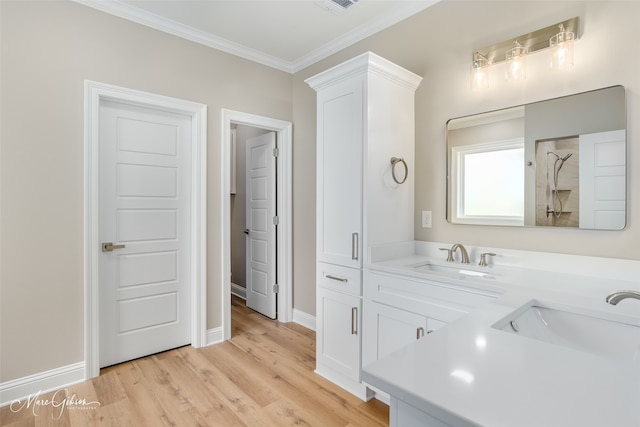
109,246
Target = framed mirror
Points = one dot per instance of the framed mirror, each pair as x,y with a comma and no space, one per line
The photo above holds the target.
555,163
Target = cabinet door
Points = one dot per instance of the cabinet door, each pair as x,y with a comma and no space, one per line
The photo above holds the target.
338,332
388,329
339,173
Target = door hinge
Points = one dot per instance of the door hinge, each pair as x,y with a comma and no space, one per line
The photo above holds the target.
276,152
276,288
276,220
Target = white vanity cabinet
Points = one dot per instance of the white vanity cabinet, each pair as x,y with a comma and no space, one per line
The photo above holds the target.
391,328
401,309
365,117
338,335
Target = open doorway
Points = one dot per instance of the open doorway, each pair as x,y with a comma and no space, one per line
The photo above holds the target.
249,123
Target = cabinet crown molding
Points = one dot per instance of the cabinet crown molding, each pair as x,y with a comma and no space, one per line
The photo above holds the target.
367,62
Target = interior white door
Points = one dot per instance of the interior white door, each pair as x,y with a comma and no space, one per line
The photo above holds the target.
602,177
145,181
260,224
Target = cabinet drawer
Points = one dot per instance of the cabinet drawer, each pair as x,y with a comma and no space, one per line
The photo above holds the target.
437,300
338,278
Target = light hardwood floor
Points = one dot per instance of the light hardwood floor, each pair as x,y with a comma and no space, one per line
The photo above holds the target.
263,376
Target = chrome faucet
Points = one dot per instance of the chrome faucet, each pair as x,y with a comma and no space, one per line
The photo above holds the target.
615,297
463,252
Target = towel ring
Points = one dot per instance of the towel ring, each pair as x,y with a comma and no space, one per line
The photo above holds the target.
394,162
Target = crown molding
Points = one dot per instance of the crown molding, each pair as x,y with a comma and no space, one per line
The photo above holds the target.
366,62
361,33
134,14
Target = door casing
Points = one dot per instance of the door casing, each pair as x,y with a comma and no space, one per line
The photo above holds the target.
283,131
95,93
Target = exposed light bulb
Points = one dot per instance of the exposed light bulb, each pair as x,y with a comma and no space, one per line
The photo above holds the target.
479,73
562,49
515,59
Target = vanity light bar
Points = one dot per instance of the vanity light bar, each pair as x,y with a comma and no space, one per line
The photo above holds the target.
534,41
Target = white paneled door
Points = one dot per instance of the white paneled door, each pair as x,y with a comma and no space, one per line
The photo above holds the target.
144,266
260,224
602,177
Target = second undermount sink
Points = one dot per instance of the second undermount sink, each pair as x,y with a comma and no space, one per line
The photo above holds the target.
580,330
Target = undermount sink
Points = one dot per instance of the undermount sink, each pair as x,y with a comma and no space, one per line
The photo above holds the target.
453,269
582,331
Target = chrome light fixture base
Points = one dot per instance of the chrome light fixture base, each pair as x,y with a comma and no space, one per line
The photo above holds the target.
532,42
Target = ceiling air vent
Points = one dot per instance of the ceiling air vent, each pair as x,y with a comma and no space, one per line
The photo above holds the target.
336,6
343,3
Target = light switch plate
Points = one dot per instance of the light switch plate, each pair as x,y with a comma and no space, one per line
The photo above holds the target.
426,219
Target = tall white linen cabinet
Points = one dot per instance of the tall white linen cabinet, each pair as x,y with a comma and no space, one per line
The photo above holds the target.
365,109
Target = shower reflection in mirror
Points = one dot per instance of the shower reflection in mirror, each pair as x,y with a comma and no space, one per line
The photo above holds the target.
557,190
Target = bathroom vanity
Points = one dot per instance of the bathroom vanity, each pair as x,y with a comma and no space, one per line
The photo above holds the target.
518,341
497,363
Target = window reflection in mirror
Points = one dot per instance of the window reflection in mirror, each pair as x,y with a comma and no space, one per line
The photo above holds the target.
489,181
559,163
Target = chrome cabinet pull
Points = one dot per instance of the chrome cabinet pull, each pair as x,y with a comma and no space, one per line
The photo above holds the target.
339,279
419,332
109,246
354,246
354,320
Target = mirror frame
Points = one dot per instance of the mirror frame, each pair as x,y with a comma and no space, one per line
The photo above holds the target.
574,118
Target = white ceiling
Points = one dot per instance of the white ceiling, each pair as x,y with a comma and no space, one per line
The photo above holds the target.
285,34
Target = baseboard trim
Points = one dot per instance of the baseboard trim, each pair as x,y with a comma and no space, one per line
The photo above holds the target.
304,319
42,382
239,291
214,336
352,386
379,394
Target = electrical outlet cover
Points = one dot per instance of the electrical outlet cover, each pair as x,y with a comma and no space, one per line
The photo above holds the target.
427,220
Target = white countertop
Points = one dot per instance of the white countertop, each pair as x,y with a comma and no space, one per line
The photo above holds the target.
470,374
